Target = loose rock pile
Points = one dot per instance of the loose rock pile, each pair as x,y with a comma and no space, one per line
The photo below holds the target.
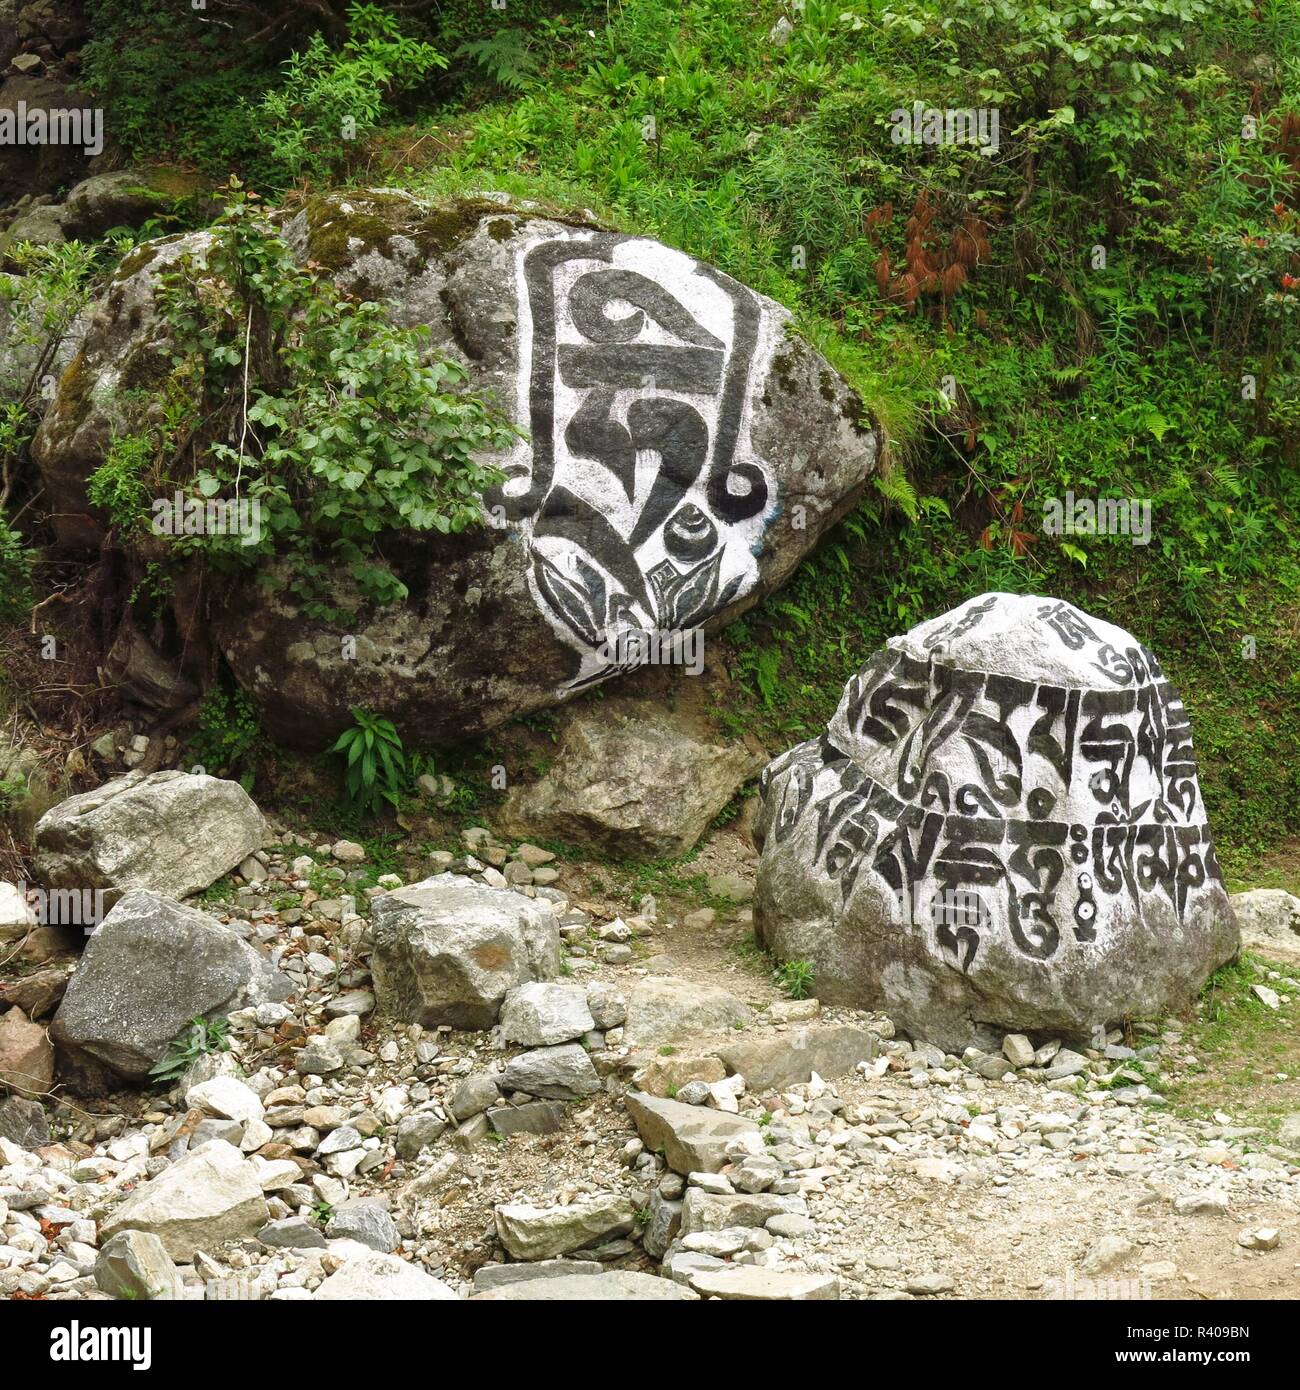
476,1085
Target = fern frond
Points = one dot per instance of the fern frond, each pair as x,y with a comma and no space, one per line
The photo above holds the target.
893,485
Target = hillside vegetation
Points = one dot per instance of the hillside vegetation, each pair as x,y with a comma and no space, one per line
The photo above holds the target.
1105,304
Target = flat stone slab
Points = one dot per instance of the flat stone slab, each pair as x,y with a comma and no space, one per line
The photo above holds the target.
663,1011
587,1288
489,1277
693,1138
789,1059
541,1233
537,1117
749,1283
707,1211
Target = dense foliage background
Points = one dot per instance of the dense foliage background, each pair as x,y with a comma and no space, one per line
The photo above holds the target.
1123,321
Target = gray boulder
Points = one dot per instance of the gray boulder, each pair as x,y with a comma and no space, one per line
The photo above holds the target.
539,1015
150,967
209,1196
498,1276
377,1276
174,833
41,225
712,1211
631,780
789,1059
693,1138
135,1266
533,1117
121,349
541,1233
1002,826
684,450
1270,922
448,950
126,198
555,1073
663,1011
367,1223
24,1122
473,1096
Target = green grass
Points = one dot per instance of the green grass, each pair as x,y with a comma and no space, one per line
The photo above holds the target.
1242,1047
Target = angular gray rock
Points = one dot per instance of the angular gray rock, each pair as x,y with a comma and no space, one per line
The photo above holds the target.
534,1117
135,1265
376,1276
790,1058
473,1096
663,1011
448,950
631,779
150,967
24,1122
415,1133
554,1073
488,1277
608,1006
367,1223
170,832
1269,919
205,1198
541,1233
1002,826
540,1015
663,1221
292,1233
710,1211
758,447
693,1138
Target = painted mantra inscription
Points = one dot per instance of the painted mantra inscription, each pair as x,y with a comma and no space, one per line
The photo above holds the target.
638,491
986,803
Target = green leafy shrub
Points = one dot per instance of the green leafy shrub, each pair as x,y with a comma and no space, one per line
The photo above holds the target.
328,98
795,977
178,87
15,574
229,737
289,396
201,1037
118,485
374,763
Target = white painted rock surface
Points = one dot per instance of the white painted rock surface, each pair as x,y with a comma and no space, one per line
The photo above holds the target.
684,450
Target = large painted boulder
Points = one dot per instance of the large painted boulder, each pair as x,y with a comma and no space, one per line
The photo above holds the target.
1002,827
684,450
